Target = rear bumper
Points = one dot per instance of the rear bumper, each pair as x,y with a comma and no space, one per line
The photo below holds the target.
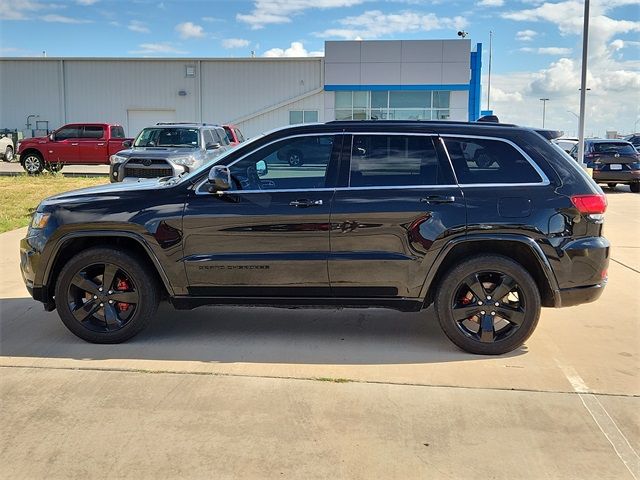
576,296
628,176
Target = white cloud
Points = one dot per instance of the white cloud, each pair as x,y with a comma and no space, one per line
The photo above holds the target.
54,18
490,3
526,35
295,50
267,12
375,24
86,2
189,30
163,48
138,26
235,43
548,50
20,9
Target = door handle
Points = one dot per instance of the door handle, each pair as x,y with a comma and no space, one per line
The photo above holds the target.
101,144
305,203
435,199
74,144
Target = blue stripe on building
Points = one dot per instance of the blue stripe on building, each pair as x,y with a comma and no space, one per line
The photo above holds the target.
474,83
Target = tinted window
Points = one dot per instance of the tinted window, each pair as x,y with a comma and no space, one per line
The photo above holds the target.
69,132
394,160
91,131
239,135
299,162
117,132
224,139
614,147
489,161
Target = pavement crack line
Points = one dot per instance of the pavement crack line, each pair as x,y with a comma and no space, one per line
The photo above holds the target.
625,265
603,420
314,379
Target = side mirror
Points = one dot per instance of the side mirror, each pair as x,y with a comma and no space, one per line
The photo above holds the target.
127,144
212,146
219,179
261,168
52,136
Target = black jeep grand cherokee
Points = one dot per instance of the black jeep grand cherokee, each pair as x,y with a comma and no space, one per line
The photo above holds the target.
398,214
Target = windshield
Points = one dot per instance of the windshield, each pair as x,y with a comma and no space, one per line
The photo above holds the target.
221,158
168,137
617,147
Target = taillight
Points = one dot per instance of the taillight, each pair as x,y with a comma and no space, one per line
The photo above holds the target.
590,204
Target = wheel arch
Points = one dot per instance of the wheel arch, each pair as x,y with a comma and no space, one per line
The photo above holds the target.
523,250
73,243
30,150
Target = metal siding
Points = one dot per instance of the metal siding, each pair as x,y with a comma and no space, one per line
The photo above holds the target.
239,88
104,90
29,87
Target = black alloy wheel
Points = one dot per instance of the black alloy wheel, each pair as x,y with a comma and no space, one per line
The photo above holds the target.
102,297
488,305
105,295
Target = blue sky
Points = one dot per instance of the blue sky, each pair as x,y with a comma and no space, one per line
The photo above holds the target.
536,44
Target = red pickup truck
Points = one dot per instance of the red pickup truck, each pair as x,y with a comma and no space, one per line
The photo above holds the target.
73,144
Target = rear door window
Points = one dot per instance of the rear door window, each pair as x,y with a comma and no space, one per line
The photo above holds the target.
396,160
94,132
487,161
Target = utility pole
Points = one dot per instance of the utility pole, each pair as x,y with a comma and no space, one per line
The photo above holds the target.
583,84
489,82
544,109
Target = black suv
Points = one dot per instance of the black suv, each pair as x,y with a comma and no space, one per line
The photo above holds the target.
398,215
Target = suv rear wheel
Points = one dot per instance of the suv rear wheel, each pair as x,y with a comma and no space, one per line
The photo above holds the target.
488,305
8,154
105,295
295,158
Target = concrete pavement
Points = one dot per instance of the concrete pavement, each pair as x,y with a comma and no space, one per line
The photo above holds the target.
245,392
14,168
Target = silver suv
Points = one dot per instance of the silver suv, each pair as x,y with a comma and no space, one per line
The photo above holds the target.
168,150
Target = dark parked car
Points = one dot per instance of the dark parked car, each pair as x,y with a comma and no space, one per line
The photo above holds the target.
395,214
634,140
612,161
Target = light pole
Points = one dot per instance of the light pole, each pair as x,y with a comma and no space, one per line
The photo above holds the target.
583,84
544,109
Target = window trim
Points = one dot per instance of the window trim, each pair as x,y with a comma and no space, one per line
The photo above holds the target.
543,177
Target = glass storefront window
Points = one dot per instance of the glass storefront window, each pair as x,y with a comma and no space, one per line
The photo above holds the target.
392,105
344,100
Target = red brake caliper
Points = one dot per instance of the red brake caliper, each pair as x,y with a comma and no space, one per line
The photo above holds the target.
123,286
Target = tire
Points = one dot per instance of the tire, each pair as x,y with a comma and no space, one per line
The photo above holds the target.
521,304
612,185
295,158
8,154
97,320
32,163
484,161
635,187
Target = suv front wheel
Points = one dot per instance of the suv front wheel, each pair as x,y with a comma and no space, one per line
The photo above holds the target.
106,296
488,305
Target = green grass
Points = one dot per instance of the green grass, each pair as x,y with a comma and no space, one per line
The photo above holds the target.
20,195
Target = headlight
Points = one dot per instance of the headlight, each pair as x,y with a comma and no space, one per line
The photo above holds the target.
184,161
40,220
118,159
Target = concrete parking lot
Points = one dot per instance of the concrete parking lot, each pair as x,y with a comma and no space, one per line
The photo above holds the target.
263,393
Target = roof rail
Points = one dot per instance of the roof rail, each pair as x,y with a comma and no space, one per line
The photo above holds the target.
189,123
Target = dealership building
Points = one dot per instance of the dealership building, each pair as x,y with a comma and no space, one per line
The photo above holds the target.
403,79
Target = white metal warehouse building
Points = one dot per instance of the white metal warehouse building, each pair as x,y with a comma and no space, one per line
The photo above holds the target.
416,79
